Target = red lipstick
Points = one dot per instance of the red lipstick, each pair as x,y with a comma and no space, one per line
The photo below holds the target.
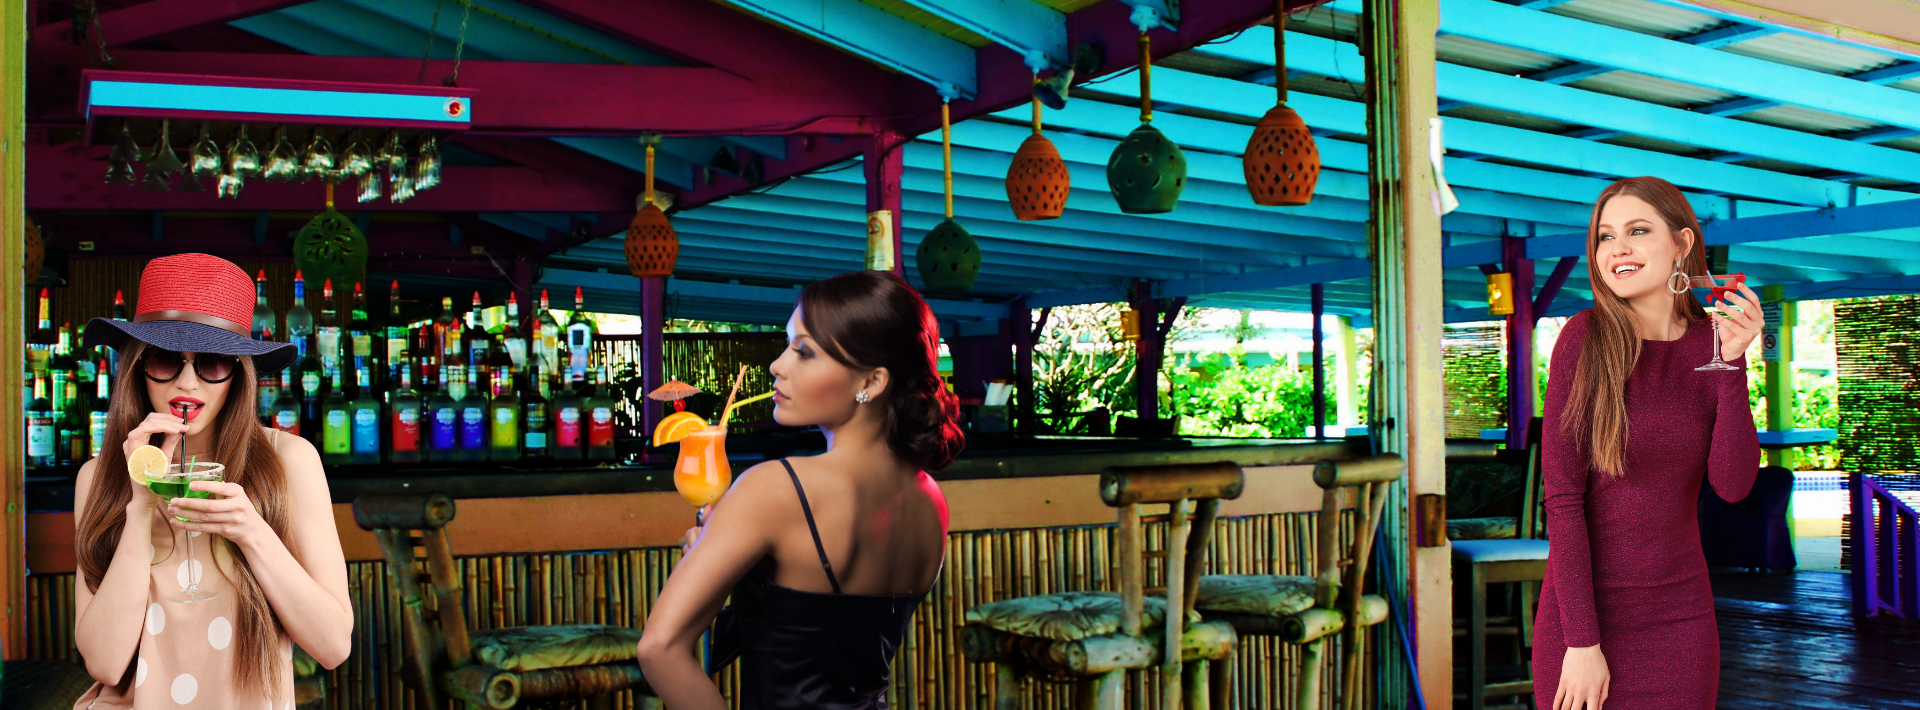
186,407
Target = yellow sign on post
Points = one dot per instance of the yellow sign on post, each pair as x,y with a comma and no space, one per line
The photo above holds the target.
880,256
1500,294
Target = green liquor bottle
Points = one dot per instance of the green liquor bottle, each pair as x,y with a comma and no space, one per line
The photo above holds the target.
97,419
580,335
264,319
311,394
72,439
366,420
267,393
360,338
599,410
40,427
327,335
546,337
504,418
336,428
535,407
473,420
443,422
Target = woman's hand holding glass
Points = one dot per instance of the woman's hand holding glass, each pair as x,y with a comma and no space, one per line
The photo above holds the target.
1740,323
155,423
229,514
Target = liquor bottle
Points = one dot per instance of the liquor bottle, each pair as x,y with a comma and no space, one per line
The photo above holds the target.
404,430
336,437
580,335
299,319
119,313
569,442
40,427
267,393
443,424
310,395
505,418
286,406
396,337
447,330
599,408
264,319
426,355
473,420
71,439
44,334
477,341
60,369
327,334
97,418
547,337
535,409
509,333
366,420
360,338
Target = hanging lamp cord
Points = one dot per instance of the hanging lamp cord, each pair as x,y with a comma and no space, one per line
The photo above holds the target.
649,175
1036,106
433,30
329,193
1280,49
946,154
460,46
1146,78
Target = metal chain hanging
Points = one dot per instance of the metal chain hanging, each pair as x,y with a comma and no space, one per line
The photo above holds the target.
466,10
948,257
433,31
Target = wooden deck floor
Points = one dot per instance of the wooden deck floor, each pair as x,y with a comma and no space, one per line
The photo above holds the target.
1789,641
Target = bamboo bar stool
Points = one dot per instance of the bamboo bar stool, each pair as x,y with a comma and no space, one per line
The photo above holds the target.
1521,561
1310,610
497,668
1093,638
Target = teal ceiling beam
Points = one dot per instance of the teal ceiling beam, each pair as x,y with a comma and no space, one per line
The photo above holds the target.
501,28
325,31
1500,23
1853,288
770,295
877,36
1711,39
1034,31
1564,103
1808,223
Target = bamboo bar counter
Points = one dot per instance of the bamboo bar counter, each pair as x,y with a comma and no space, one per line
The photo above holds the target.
595,545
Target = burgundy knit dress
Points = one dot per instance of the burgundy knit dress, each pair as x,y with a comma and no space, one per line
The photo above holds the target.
1626,570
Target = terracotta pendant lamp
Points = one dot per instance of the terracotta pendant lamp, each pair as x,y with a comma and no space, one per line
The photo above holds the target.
1038,182
1282,163
652,245
948,257
1147,170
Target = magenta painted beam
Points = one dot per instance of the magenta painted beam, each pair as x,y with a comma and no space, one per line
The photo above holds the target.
653,325
153,19
405,246
555,159
65,177
534,98
1519,342
885,163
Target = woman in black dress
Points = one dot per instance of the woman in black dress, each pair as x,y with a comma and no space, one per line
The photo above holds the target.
826,556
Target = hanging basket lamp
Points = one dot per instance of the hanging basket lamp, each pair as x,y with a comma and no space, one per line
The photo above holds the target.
652,246
1038,182
1282,163
948,257
329,246
1147,170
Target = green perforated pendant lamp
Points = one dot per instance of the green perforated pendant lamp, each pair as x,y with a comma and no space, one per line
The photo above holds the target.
1147,170
949,256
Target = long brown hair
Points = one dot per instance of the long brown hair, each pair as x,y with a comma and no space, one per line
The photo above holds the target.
1612,343
250,461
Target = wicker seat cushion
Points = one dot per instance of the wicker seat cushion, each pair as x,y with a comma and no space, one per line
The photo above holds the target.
532,648
1255,594
1067,616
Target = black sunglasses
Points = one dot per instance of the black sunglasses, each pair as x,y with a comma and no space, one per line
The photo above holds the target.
165,366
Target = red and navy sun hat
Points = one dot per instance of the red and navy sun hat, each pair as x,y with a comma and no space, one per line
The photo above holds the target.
194,303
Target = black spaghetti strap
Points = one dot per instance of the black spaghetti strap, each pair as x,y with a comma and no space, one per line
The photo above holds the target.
804,508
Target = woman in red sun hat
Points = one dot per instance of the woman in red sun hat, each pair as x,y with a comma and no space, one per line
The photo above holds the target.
267,560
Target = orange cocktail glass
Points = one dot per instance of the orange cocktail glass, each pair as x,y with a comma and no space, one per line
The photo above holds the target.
702,474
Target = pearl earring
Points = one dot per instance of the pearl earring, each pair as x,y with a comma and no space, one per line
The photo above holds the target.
862,397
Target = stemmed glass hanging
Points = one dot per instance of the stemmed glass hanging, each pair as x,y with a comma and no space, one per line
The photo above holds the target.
281,165
387,166
165,162
120,161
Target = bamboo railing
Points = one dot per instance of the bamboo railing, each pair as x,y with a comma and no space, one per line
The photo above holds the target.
619,587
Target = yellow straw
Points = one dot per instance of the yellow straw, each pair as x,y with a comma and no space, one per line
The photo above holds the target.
741,403
736,390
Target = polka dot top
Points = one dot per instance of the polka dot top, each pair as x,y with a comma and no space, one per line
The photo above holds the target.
186,652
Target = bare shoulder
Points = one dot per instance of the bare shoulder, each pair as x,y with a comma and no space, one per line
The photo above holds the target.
297,457
759,487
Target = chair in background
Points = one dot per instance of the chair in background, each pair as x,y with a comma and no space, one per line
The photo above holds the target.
1521,561
1753,531
1094,638
498,668
1309,610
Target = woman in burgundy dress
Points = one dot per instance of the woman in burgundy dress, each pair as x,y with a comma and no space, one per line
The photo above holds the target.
1626,613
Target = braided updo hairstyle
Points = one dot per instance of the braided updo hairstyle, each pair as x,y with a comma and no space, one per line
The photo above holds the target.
871,319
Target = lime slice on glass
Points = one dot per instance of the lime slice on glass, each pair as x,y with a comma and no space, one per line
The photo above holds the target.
146,462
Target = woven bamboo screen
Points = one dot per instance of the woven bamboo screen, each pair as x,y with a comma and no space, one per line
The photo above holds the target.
619,587
1877,344
708,362
1475,359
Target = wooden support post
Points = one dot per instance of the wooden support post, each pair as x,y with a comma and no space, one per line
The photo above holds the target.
1781,316
885,163
1403,231
397,545
1519,342
1026,332
1170,681
13,289
1345,370
1146,369
1132,544
653,324
1319,292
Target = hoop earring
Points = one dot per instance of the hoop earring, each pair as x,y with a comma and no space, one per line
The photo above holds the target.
1681,276
862,397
